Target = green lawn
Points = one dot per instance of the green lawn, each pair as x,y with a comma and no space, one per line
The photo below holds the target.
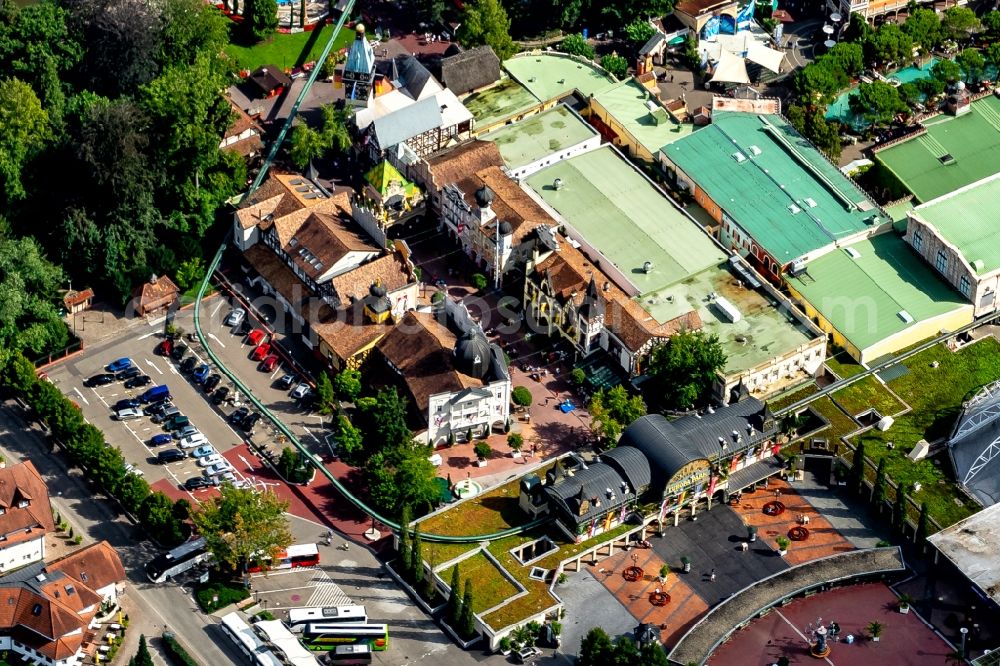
439,553
843,365
493,511
786,399
840,423
287,51
489,586
868,393
936,395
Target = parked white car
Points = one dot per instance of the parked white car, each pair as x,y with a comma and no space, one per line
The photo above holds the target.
193,441
236,317
209,460
217,468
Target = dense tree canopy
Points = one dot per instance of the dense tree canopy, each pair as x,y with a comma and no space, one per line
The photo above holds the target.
486,22
613,410
576,45
889,44
29,320
924,28
877,102
115,143
242,525
685,367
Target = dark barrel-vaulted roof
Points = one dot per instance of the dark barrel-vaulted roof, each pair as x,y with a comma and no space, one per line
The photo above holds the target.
631,465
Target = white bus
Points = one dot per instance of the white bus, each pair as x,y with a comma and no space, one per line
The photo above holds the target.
299,617
243,637
284,644
182,558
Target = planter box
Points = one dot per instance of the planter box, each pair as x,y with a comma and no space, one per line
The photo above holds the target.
904,609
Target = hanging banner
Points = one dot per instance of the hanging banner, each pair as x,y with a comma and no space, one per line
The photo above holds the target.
593,528
608,519
711,485
623,513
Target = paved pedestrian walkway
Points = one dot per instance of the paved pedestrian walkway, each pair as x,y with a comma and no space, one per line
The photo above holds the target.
823,538
848,515
674,618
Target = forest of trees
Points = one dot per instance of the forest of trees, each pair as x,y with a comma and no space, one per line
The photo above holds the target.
112,113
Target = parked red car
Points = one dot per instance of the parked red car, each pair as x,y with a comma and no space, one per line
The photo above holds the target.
260,351
270,363
255,337
165,347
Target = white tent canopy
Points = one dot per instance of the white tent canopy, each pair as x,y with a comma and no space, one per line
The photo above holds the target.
730,69
765,56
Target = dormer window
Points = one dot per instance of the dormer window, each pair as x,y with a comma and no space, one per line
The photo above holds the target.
293,242
23,504
83,576
37,610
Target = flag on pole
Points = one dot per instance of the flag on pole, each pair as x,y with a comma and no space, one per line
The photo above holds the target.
593,528
745,15
681,497
663,508
697,490
608,519
623,513
712,481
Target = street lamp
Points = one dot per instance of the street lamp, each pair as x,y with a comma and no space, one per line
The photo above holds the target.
964,631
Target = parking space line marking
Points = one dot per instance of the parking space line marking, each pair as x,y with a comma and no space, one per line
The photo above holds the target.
214,337
153,366
77,391
157,322
218,307
147,335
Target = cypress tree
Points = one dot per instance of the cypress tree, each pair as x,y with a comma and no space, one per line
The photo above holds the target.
454,607
878,495
467,621
417,559
922,524
142,656
858,469
404,544
899,511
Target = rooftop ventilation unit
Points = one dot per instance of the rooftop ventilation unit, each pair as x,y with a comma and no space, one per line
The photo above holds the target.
811,202
755,151
557,184
852,253
739,157
647,267
905,316
728,310
797,268
793,209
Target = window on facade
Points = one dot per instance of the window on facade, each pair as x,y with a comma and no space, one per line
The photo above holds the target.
964,286
37,610
941,261
918,240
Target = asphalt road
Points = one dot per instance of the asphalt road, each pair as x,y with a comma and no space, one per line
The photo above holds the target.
158,606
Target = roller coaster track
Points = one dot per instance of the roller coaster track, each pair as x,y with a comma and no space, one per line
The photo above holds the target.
348,495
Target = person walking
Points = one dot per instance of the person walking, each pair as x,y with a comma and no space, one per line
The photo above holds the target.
711,576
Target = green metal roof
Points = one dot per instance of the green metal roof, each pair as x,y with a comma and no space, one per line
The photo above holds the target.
966,218
756,167
622,214
500,102
626,101
383,174
552,75
543,134
971,140
862,297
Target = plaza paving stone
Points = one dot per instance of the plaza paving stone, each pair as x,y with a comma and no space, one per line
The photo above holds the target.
684,608
823,538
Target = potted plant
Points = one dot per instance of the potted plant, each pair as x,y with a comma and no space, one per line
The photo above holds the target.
561,579
505,645
664,573
686,563
875,629
751,533
782,542
904,603
483,451
515,441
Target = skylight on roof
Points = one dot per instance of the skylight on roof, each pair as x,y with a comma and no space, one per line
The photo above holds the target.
793,209
739,157
755,150
852,253
811,202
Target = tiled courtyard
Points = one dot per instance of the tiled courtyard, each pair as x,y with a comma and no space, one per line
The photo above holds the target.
823,538
674,618
714,543
905,639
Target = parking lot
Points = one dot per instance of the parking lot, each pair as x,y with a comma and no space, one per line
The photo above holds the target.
133,437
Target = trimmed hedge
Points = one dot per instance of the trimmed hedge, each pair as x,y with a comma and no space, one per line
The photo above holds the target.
227,593
176,652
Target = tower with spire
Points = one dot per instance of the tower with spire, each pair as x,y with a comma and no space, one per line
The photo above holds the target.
359,70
